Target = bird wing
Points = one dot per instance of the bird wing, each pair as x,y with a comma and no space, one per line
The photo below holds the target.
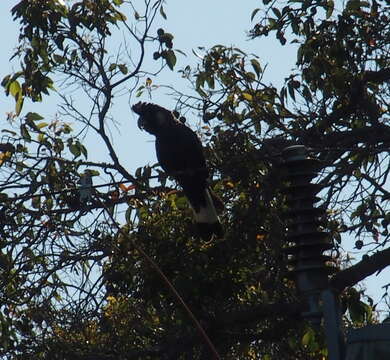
180,150
180,154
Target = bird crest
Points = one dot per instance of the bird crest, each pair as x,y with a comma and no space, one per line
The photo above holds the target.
154,118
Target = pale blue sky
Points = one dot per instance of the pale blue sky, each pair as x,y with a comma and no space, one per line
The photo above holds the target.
193,23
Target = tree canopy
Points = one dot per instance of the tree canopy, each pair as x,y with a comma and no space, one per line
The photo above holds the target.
100,263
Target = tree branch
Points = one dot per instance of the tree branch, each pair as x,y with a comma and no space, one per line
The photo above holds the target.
358,272
257,313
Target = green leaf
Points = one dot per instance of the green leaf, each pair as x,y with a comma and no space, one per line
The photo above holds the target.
19,105
41,137
67,129
33,116
254,12
147,171
354,5
141,88
308,338
4,261
162,12
120,16
59,59
181,202
48,203
93,172
123,69
5,80
201,92
42,125
112,67
272,23
58,145
329,8
14,88
181,52
291,89
83,150
247,96
210,81
295,27
170,58
357,311
36,202
256,66
307,94
200,79
31,125
138,172
75,150
250,76
24,132
277,12
128,214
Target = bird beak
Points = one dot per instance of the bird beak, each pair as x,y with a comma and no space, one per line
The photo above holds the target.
141,123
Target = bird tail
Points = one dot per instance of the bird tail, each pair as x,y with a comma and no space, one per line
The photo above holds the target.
206,218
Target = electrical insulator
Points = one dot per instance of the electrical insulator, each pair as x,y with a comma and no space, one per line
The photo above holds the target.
306,241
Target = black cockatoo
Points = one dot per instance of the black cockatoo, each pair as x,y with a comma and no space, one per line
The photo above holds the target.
179,152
